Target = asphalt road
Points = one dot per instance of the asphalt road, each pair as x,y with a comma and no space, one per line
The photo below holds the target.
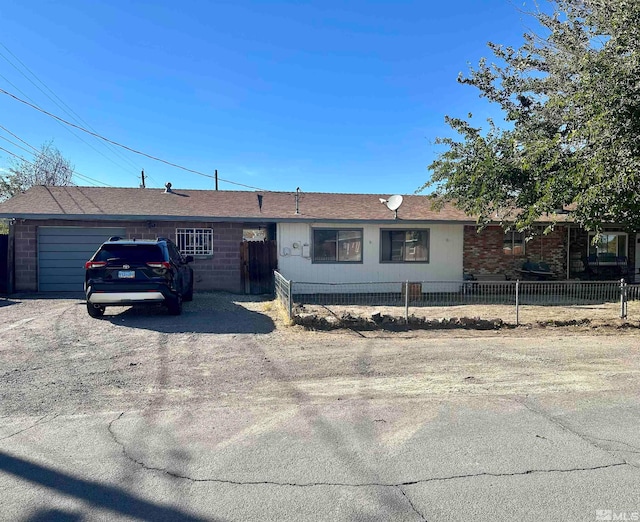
225,413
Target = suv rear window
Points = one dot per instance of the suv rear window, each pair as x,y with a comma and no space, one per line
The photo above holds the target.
132,254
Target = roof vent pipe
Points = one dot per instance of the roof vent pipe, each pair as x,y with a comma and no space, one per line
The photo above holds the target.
297,201
167,188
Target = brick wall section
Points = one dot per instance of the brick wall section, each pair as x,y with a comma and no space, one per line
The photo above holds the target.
218,272
579,249
483,252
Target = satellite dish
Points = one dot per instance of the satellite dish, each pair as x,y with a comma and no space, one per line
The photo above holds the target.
393,203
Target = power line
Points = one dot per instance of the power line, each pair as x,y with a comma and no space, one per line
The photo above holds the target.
62,125
74,173
153,179
18,138
15,144
38,152
69,112
125,146
82,176
59,123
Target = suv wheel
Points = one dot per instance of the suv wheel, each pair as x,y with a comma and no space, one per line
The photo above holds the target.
95,311
175,305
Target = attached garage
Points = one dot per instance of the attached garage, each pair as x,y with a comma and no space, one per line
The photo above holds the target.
62,253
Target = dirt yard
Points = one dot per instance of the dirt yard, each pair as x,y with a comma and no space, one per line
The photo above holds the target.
236,349
593,315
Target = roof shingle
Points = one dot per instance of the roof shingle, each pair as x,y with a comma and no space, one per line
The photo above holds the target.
42,202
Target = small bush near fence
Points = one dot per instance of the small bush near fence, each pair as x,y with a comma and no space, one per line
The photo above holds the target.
457,304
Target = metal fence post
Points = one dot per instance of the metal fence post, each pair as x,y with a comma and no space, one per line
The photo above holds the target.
517,302
406,301
623,299
290,299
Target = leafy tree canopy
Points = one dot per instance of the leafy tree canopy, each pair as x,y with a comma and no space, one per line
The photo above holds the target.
48,167
570,96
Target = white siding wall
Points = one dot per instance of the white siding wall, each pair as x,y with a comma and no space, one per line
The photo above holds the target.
445,256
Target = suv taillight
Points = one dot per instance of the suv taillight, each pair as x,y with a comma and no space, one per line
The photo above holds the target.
94,264
159,264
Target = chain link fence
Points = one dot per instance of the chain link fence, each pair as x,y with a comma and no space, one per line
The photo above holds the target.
515,302
283,292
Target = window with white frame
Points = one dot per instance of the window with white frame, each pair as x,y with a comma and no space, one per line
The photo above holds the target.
195,241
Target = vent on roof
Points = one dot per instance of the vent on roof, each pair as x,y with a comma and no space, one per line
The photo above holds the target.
167,188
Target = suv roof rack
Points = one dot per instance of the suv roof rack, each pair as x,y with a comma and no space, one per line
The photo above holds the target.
118,238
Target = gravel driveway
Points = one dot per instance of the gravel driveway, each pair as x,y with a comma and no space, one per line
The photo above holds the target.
228,413
223,346
56,356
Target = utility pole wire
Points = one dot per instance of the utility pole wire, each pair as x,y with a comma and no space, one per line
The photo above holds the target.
62,125
15,144
58,118
18,138
69,112
81,176
37,151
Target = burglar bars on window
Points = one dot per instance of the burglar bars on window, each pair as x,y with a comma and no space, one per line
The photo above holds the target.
195,241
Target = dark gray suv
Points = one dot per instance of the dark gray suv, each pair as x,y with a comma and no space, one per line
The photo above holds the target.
132,272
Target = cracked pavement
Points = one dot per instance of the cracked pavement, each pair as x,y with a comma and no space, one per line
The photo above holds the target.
144,417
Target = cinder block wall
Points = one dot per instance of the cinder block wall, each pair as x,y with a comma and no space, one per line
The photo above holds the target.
483,252
25,258
221,271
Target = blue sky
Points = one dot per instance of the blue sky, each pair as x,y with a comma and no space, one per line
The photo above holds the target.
331,96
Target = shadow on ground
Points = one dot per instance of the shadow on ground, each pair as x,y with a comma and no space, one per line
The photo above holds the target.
96,494
213,312
53,515
208,313
48,296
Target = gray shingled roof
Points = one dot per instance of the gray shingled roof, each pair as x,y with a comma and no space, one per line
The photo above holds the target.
92,203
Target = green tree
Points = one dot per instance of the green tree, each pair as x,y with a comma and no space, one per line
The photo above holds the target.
570,95
48,167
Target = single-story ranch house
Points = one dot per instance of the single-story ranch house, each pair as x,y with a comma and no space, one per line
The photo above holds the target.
318,237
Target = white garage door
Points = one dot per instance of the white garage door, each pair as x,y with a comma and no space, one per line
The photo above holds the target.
62,253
